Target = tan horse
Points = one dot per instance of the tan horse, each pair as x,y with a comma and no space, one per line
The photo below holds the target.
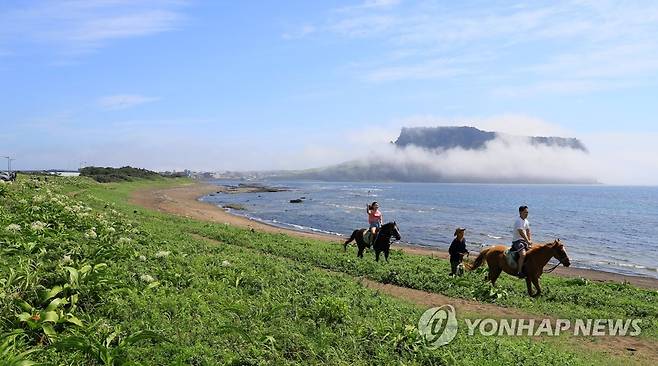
535,260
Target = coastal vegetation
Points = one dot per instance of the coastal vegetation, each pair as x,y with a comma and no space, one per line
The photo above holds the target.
108,174
88,278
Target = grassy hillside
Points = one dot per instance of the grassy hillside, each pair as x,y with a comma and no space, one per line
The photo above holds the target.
87,278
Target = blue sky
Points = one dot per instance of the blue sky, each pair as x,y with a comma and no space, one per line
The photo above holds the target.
169,84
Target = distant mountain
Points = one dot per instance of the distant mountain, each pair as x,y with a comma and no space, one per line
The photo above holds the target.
469,138
433,142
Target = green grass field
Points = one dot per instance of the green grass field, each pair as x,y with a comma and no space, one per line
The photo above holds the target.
88,279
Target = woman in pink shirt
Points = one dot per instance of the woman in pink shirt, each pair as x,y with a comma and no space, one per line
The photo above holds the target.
374,217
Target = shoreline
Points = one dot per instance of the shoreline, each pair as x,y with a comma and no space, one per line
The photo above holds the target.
184,201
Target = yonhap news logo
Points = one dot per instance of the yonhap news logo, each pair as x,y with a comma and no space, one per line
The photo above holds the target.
438,326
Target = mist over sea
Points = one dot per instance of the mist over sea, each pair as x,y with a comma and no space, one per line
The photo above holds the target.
609,228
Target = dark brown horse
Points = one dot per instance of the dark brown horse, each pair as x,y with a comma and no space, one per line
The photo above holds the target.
535,260
382,244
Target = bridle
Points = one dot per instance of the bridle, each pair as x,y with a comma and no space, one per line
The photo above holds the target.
559,261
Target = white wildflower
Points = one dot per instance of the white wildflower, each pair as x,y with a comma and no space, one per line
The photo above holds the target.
225,263
91,233
23,201
111,229
142,258
67,259
124,240
14,228
147,278
38,226
37,199
162,254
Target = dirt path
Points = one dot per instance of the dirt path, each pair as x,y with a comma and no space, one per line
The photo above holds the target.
183,201
628,350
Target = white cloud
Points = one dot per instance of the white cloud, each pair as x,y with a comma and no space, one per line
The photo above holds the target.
79,26
433,69
123,101
625,158
571,47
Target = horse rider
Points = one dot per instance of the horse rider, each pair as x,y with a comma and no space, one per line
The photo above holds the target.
374,219
521,238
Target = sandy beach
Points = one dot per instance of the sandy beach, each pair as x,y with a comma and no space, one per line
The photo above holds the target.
183,201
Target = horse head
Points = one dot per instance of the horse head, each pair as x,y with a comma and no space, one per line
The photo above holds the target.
391,229
559,253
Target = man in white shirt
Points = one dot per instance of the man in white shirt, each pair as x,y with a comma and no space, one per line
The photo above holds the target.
521,238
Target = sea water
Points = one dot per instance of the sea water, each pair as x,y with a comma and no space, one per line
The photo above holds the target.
609,228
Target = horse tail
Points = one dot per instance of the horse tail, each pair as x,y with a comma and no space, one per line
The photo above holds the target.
350,239
478,261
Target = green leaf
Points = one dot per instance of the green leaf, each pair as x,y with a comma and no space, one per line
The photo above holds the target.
56,303
48,294
74,276
24,305
141,336
49,331
153,284
110,338
25,363
73,320
74,299
49,316
85,269
24,316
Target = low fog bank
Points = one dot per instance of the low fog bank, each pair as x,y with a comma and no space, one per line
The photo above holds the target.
505,159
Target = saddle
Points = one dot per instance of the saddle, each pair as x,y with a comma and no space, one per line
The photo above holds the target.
512,258
369,238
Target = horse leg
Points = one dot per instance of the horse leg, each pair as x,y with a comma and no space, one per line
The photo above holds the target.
527,282
386,254
361,248
494,272
376,255
535,281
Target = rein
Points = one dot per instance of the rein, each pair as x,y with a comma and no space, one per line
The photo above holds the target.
559,261
554,267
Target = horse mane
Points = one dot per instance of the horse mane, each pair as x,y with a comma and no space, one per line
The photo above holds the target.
388,224
550,244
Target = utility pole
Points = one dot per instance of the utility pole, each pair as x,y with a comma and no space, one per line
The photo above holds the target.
9,159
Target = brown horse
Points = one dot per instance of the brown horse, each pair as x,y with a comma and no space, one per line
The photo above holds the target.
535,260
